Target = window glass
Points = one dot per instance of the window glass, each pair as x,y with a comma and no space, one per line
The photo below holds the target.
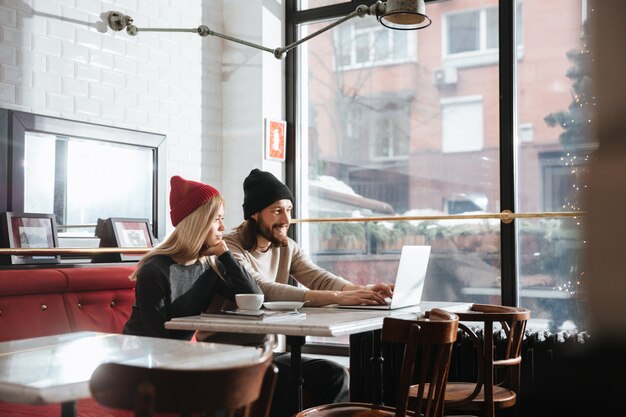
39,173
556,105
421,137
311,4
392,140
82,180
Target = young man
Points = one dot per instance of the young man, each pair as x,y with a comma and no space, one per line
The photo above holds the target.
262,246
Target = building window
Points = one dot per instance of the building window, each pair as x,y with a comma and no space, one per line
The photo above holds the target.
472,31
383,125
462,124
390,139
526,132
564,179
471,36
365,42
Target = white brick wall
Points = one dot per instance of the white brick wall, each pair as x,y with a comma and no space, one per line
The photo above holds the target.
54,61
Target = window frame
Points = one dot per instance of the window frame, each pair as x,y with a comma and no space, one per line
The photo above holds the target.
15,124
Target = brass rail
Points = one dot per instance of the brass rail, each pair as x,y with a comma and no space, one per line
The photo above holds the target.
506,216
71,251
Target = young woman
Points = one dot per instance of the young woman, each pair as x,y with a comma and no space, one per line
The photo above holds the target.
182,275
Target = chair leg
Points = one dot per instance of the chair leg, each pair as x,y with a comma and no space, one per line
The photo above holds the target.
488,386
144,405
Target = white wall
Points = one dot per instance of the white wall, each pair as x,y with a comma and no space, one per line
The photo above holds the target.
253,91
206,95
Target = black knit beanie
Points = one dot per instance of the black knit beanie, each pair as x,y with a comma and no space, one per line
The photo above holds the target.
260,189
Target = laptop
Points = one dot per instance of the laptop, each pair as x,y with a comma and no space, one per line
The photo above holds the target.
409,282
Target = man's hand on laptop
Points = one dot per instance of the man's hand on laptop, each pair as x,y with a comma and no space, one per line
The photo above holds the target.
382,288
346,297
358,297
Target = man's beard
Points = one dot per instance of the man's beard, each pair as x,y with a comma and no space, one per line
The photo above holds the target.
268,233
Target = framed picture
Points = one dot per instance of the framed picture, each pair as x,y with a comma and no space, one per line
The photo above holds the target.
275,134
118,232
28,231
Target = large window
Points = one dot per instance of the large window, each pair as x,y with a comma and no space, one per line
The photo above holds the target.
419,140
74,179
81,172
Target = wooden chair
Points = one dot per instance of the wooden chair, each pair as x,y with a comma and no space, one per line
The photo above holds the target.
244,391
487,395
428,347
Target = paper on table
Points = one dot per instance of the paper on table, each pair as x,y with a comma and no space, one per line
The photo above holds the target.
246,313
259,315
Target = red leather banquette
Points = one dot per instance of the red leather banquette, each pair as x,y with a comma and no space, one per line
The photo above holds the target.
47,301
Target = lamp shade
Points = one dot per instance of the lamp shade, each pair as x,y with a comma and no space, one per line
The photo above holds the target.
404,15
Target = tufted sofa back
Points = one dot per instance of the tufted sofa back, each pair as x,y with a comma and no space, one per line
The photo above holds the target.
47,301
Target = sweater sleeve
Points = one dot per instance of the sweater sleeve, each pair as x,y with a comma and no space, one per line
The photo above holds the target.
152,295
312,276
235,278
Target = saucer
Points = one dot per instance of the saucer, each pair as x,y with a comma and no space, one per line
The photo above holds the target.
283,305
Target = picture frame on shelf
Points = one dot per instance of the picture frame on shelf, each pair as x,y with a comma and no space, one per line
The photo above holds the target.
28,231
124,232
275,139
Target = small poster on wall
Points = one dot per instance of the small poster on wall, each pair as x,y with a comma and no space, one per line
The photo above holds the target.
275,133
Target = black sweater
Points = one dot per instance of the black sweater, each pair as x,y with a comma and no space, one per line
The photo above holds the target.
166,290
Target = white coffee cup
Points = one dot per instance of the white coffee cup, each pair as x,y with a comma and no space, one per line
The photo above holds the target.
249,301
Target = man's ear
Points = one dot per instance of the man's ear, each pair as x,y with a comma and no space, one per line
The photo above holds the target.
255,216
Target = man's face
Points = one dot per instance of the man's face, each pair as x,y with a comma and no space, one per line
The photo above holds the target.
273,222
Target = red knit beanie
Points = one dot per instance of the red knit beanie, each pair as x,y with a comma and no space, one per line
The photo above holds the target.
186,196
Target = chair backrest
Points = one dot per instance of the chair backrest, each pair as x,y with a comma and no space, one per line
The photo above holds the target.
513,321
428,347
245,389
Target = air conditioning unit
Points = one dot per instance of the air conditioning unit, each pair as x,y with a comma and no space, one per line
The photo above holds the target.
445,76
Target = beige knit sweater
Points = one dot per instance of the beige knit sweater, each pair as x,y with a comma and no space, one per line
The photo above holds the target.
271,270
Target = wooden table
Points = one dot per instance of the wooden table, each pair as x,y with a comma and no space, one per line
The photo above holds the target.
57,369
324,322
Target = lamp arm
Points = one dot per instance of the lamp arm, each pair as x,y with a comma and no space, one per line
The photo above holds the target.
117,21
237,40
201,30
360,11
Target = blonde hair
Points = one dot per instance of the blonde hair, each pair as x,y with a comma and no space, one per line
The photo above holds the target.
189,236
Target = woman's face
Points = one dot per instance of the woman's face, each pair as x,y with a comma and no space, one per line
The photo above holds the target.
216,228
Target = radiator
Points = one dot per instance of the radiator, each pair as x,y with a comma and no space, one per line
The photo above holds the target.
373,374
